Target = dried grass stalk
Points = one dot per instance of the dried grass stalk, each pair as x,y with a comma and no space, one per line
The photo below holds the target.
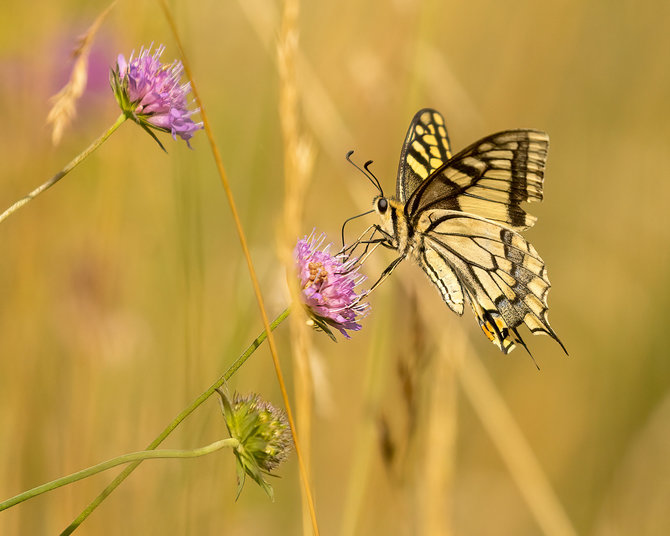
64,103
298,163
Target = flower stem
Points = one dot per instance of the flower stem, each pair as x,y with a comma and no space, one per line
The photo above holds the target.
58,176
124,458
177,420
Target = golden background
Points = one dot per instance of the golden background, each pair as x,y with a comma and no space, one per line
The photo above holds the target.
124,293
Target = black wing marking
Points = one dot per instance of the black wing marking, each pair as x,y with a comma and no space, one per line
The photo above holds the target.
425,149
491,179
502,275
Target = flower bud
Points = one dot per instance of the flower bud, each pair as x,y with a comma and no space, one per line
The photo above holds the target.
263,433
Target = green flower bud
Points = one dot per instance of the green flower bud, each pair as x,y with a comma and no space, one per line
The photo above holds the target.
263,433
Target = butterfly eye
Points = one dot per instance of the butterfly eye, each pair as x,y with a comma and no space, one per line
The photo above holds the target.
382,205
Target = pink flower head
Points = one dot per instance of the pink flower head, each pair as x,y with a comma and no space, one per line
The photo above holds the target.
327,285
150,93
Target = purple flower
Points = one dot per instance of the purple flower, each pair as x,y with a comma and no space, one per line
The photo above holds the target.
150,93
327,285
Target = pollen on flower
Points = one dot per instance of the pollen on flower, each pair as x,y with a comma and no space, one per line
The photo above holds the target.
151,93
317,274
327,285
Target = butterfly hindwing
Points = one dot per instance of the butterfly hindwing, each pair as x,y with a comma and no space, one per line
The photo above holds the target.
425,149
438,268
501,274
491,179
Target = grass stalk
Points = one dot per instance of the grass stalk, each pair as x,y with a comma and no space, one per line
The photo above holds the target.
298,160
523,465
252,271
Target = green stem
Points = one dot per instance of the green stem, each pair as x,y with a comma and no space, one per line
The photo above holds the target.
124,458
58,176
170,427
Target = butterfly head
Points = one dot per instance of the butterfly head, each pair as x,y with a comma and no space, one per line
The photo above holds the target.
393,223
382,206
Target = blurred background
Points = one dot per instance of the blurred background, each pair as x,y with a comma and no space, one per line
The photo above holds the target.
124,293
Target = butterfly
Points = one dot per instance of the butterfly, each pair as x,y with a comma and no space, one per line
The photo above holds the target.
459,218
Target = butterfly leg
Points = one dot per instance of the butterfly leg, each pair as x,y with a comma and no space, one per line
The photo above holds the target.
387,272
349,250
383,240
364,256
362,235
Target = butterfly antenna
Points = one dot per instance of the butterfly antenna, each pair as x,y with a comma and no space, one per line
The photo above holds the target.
367,168
366,172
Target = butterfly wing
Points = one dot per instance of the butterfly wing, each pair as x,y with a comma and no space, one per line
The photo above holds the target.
491,179
425,149
501,274
437,267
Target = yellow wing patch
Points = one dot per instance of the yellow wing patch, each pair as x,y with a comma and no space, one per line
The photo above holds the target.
426,148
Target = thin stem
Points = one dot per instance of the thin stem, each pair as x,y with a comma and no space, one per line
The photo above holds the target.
119,460
247,255
177,420
58,176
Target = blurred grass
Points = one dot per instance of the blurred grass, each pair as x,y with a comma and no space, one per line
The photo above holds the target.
124,292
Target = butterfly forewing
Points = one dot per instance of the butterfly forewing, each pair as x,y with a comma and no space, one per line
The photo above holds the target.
491,178
425,149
